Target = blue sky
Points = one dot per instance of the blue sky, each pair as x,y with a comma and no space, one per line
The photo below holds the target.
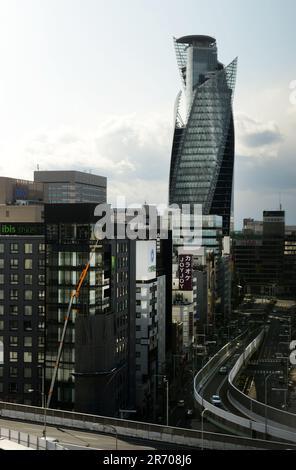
91,84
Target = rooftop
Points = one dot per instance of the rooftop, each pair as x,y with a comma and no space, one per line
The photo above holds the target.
200,39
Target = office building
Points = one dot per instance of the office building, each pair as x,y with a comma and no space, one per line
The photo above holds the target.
95,375
70,187
259,258
202,158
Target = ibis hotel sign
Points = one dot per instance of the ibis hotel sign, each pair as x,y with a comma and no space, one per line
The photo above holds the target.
21,229
185,272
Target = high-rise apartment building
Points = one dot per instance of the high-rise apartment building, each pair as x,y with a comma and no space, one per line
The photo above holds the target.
202,159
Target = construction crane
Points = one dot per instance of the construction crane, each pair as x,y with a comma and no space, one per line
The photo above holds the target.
74,295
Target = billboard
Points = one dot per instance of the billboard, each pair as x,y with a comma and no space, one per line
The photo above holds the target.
145,260
185,272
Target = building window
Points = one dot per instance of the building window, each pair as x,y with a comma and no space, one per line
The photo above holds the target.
28,248
1,263
41,357
28,294
41,279
41,295
40,341
27,326
28,310
13,356
41,263
28,279
1,371
14,279
1,325
41,247
13,294
41,325
13,325
28,388
1,247
1,309
27,356
12,387
28,341
14,263
13,340
14,248
1,294
28,264
1,278
13,371
41,310
13,310
27,372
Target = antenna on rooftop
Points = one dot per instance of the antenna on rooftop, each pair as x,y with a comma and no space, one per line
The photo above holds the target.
280,196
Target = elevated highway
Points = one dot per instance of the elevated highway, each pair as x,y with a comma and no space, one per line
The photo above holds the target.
239,413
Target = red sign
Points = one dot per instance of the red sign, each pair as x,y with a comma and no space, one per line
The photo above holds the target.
185,272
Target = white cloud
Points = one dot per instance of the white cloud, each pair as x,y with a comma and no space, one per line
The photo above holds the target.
257,139
133,152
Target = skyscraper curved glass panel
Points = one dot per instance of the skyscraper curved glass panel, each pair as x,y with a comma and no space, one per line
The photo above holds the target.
202,160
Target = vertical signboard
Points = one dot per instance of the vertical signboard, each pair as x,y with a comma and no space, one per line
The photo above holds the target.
185,272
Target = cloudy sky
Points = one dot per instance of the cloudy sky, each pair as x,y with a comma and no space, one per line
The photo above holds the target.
91,84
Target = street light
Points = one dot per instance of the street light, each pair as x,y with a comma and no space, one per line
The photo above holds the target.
202,428
43,400
166,382
266,380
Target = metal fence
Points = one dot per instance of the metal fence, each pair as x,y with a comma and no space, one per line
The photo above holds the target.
28,440
125,428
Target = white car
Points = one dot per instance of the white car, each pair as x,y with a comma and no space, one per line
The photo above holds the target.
49,439
216,400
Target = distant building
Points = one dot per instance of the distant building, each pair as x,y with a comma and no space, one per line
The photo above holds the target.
203,147
15,191
259,256
253,226
70,187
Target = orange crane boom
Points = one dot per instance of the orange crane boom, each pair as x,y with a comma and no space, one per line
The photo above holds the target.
74,295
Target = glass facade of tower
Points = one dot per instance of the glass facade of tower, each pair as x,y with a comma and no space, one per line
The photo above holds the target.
203,148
